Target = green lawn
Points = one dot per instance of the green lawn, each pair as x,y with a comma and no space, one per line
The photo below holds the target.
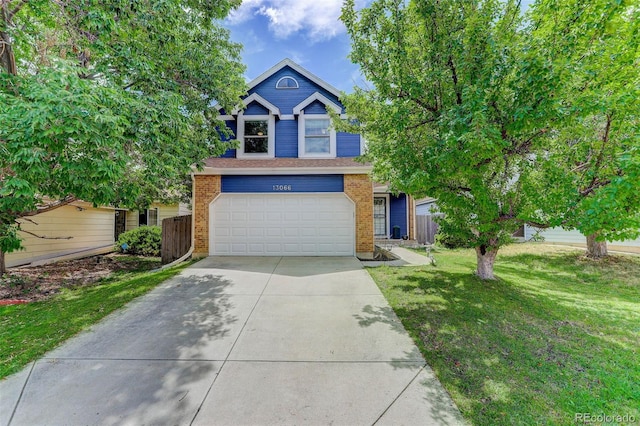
555,335
28,331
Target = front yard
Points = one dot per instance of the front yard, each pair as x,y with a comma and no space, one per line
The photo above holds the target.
554,340
64,299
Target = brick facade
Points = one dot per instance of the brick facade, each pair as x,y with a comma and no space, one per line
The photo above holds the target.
360,189
205,189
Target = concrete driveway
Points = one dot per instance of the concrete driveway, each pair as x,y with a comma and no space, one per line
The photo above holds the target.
239,341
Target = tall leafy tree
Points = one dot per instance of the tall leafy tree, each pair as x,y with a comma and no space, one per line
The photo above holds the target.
591,171
454,112
108,102
506,118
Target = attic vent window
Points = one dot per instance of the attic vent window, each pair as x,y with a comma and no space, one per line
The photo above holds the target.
287,83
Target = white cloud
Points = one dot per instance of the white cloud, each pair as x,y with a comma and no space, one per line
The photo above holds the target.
318,20
245,12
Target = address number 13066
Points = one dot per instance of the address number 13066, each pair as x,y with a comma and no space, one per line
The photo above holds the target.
282,187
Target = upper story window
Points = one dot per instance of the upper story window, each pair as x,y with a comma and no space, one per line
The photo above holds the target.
287,83
256,137
316,138
256,134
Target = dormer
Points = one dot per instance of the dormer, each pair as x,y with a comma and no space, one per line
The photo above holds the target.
256,128
316,135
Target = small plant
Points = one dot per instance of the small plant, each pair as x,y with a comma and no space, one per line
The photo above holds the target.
12,280
144,241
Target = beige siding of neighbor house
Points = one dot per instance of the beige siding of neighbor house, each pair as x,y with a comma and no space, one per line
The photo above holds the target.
88,227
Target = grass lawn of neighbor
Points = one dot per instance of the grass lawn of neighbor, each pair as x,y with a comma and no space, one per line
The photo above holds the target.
555,337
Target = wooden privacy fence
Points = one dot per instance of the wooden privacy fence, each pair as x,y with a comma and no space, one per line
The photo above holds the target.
426,229
176,238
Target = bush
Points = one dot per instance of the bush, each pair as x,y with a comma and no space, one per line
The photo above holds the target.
144,241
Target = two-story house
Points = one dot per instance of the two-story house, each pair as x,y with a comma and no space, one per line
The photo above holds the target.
292,186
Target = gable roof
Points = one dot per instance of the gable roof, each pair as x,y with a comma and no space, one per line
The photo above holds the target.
254,97
288,62
316,97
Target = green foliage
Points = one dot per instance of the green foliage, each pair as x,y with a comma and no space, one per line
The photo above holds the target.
143,241
485,109
112,102
455,113
590,172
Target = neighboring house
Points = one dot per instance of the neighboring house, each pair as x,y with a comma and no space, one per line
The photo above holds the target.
80,230
153,216
292,186
72,231
575,238
426,206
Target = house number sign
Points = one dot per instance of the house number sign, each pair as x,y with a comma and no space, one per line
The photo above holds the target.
282,187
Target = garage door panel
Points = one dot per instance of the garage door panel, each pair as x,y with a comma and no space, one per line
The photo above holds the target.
274,216
282,225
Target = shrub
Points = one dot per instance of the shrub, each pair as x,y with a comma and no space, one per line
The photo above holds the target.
144,241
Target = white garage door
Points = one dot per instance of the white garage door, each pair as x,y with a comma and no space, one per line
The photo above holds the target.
282,225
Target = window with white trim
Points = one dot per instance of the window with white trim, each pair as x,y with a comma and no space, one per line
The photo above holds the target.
256,134
148,217
316,138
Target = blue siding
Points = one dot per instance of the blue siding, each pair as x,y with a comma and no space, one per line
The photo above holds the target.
398,213
287,138
286,99
283,183
315,107
231,152
347,144
255,108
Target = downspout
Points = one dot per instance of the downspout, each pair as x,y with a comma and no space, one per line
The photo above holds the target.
193,227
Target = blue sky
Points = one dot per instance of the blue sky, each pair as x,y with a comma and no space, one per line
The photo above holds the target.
309,32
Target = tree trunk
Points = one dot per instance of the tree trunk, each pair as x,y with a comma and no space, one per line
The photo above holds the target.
486,259
3,266
7,58
596,249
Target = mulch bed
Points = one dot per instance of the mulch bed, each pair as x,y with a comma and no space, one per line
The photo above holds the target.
35,283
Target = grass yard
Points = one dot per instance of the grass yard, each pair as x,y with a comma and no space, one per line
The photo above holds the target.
28,331
554,336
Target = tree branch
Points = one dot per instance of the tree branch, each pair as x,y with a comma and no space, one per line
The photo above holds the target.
44,237
51,206
454,77
605,140
16,9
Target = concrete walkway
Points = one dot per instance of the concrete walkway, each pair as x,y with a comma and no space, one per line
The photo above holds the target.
405,258
239,341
